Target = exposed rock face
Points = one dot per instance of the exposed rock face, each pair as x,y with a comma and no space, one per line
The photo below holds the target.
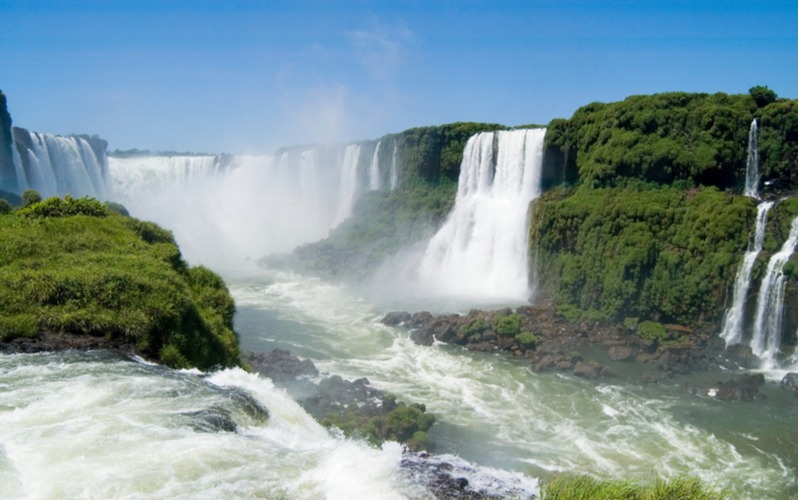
280,365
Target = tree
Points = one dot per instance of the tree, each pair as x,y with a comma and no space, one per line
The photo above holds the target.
763,95
30,196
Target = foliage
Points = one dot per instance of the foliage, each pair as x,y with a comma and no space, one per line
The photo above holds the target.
30,196
473,327
65,207
639,250
652,331
573,487
5,206
507,324
117,207
527,339
406,424
762,95
676,136
111,276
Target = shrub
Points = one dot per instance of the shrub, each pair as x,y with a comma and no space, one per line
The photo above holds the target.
574,487
66,207
762,95
527,339
473,327
507,324
652,331
30,196
5,207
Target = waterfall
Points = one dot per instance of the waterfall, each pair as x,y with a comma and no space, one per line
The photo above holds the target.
393,180
137,175
374,170
482,248
733,327
752,174
348,183
58,165
767,329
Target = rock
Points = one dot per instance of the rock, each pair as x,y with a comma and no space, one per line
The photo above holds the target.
621,353
789,382
587,370
396,318
745,388
280,365
742,355
422,336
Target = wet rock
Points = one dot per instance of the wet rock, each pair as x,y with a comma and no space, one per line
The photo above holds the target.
280,365
745,388
621,353
248,404
396,318
789,382
587,370
742,355
214,419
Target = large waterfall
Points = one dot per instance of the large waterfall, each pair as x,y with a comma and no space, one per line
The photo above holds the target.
482,249
768,322
57,165
733,328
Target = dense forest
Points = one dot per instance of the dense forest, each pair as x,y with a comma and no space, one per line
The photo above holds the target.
654,224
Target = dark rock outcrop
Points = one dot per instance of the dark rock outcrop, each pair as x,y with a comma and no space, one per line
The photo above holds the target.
789,382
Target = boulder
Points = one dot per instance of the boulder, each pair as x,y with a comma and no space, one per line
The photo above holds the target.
745,388
789,382
621,353
396,318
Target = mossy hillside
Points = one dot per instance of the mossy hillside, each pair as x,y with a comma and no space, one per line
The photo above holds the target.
73,266
679,136
654,252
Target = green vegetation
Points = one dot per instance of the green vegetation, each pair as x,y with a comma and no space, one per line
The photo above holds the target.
646,230
406,424
507,324
639,250
473,327
527,339
74,266
652,331
573,487
674,136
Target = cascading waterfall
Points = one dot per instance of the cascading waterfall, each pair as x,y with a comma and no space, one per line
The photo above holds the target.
768,323
393,176
375,169
348,184
136,175
481,250
752,175
58,165
733,329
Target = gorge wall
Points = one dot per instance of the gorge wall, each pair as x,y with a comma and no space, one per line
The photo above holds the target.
656,223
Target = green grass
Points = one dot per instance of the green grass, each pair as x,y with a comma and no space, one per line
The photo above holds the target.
105,274
573,487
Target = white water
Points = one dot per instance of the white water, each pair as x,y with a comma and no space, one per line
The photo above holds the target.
375,169
733,329
61,165
481,250
348,184
768,321
752,174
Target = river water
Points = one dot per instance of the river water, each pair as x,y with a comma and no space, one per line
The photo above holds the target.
93,425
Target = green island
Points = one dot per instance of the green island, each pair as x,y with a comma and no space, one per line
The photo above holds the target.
75,268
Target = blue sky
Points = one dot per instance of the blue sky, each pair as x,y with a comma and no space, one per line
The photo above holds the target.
250,76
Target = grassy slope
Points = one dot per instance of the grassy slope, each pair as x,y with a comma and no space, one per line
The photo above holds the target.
109,275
